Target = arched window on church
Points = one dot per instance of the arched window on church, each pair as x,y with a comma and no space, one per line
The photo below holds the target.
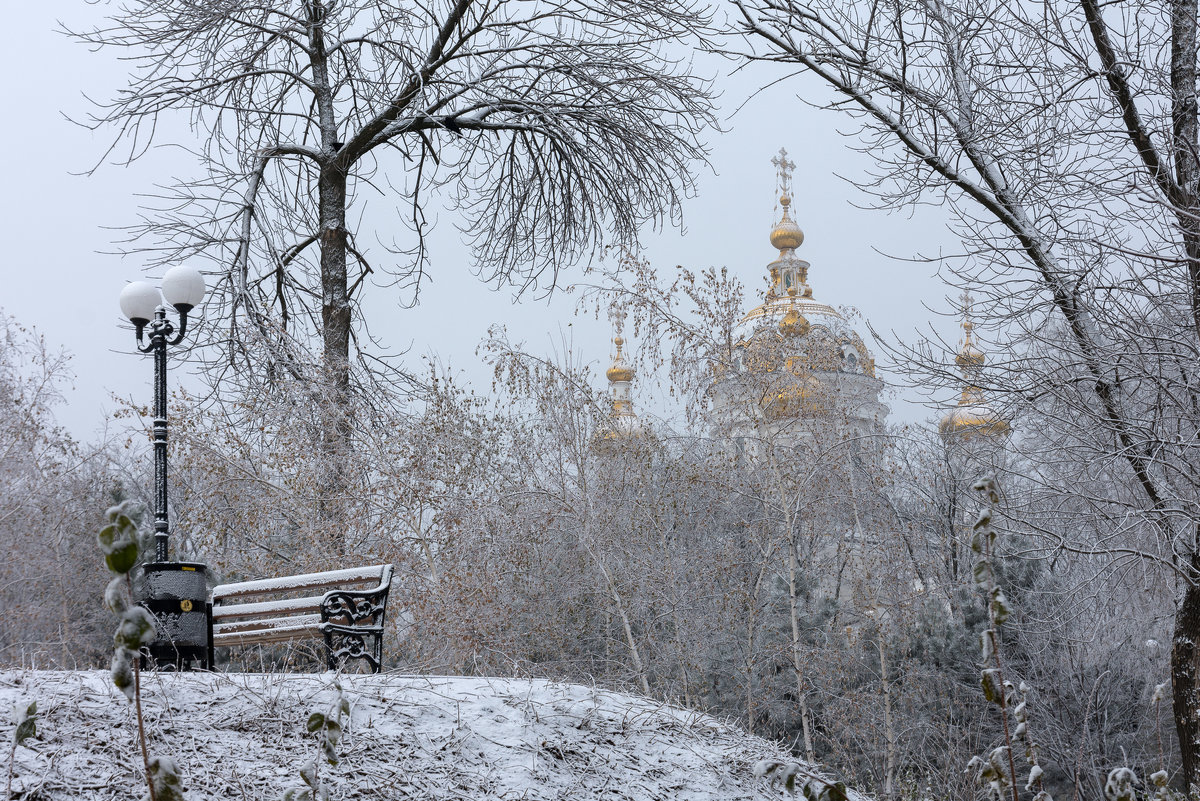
850,357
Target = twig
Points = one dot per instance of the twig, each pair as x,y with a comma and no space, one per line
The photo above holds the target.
137,700
12,760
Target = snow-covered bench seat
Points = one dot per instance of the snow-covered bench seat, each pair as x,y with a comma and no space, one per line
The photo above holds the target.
346,607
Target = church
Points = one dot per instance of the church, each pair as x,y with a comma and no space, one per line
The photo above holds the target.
799,372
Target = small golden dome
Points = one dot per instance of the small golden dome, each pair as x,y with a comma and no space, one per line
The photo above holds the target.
787,234
967,421
793,324
972,415
619,371
969,355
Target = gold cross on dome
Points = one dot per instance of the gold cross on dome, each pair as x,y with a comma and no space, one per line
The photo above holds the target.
966,299
783,169
966,303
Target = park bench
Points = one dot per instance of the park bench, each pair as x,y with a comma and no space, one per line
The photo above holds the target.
345,607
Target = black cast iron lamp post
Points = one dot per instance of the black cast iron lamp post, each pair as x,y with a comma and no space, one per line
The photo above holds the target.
174,592
182,287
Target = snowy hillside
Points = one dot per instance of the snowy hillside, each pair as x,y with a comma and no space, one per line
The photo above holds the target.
242,736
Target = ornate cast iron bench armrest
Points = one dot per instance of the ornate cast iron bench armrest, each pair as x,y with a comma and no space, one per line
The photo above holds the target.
350,617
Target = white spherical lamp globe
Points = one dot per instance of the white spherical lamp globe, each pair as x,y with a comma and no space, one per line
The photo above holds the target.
139,300
183,287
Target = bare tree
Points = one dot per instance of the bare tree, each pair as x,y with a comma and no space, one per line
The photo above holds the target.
51,491
549,125
1064,138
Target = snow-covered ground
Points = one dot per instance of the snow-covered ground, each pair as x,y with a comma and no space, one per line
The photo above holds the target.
242,736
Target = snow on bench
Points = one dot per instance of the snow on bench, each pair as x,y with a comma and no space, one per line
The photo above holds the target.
347,613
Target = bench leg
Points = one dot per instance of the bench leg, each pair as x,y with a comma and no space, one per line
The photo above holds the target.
209,656
344,644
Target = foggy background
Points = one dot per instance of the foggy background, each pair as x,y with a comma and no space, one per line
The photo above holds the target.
61,276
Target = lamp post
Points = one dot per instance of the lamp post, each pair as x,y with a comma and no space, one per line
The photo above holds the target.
175,592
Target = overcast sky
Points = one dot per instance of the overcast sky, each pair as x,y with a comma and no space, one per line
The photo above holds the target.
58,225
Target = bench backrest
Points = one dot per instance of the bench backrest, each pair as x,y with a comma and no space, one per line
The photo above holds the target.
373,577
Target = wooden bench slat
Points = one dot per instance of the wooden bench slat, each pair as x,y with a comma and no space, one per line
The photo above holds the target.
286,606
307,581
310,621
278,634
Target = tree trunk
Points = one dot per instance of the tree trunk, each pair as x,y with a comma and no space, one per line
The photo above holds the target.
1185,652
335,320
1184,127
1185,675
797,663
889,726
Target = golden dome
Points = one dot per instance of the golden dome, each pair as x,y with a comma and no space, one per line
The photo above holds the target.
623,423
969,355
972,415
787,235
967,421
788,272
793,324
619,371
799,396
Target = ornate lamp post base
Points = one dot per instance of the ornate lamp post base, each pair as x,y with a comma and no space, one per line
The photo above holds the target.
176,593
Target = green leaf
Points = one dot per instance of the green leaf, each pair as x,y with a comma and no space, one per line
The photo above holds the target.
26,720
315,721
106,538
1000,610
1000,761
27,729
308,772
122,672
983,521
122,558
164,774
135,630
989,680
115,597
836,792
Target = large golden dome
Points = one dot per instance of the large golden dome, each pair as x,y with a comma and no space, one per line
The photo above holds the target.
799,396
817,335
